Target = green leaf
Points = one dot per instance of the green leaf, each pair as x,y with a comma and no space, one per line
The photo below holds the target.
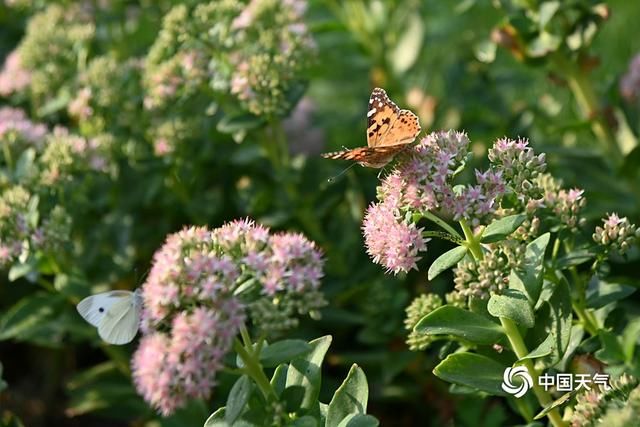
558,402
306,421
446,260
611,351
502,228
20,270
513,305
630,339
217,419
533,267
238,123
485,51
543,349
237,399
305,371
359,420
559,320
450,320
279,378
28,315
574,258
350,398
543,44
577,333
601,293
282,352
405,53
472,370
292,397
546,12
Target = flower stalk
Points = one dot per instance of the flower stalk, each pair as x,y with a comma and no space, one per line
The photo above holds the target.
515,338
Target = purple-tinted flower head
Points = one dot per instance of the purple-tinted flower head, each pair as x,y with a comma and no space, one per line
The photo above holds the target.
15,124
295,261
630,82
170,368
390,241
185,271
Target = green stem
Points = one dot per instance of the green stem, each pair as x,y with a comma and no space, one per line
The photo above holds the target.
515,338
520,349
428,215
472,242
442,235
252,366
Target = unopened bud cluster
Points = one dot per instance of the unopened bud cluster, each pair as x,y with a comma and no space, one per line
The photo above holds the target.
617,234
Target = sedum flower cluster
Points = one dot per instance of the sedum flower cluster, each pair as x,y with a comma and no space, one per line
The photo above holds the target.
424,183
56,40
23,231
202,287
108,95
38,169
616,407
420,307
256,52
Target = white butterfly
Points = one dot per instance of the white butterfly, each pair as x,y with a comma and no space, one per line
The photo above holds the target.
116,314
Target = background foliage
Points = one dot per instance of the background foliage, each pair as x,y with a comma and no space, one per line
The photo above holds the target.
167,139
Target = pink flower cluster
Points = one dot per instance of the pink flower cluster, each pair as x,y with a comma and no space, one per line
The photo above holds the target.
192,311
168,369
390,241
15,123
13,77
286,262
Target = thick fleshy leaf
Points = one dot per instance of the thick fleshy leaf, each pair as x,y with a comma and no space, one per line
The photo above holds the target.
450,320
359,420
513,305
282,352
502,228
472,370
601,293
350,398
305,371
237,399
446,260
533,267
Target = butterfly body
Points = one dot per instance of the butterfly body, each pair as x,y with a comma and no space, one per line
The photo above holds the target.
390,130
116,314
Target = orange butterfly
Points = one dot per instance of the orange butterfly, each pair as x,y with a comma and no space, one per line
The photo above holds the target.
389,131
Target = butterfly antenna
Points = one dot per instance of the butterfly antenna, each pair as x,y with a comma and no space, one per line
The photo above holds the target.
333,178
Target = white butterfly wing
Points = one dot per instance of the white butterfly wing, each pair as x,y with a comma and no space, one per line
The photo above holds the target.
120,323
93,308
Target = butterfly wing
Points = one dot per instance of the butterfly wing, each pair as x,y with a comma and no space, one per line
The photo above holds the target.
121,321
381,116
93,308
372,157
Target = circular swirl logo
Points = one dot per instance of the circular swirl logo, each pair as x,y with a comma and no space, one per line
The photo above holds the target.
522,385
